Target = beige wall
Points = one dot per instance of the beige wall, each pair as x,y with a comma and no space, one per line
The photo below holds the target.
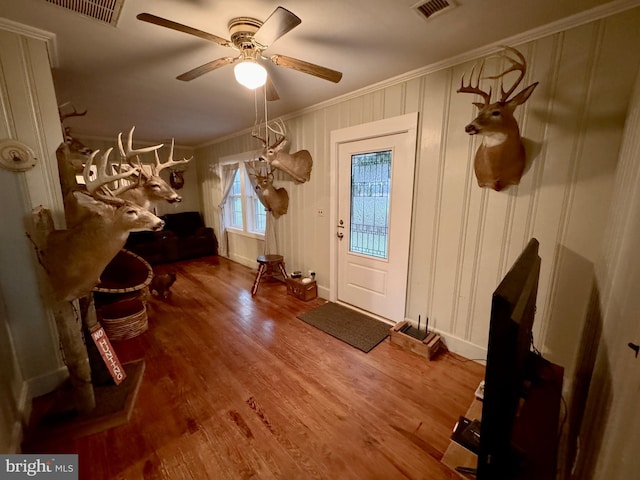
465,238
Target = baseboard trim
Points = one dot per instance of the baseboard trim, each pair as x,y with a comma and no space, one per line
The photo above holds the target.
463,347
46,383
247,262
21,419
17,435
323,292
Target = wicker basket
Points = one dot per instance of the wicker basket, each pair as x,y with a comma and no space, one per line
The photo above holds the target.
126,273
120,297
124,319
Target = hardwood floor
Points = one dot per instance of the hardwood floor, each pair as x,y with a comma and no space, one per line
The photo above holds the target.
237,387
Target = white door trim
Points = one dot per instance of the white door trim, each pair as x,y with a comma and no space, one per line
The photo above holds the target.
391,126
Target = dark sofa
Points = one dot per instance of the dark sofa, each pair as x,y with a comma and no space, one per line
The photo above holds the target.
184,236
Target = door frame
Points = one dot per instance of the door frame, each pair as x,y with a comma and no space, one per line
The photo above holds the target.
407,123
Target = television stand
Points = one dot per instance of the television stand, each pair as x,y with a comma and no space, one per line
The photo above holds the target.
536,430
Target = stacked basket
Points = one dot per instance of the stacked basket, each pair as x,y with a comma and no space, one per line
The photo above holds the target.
124,319
121,296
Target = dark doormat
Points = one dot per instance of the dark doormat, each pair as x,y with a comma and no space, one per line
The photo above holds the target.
354,328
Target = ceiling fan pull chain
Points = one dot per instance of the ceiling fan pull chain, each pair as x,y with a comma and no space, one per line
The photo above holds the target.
266,117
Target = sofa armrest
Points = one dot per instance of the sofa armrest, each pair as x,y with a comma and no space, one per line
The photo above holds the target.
203,231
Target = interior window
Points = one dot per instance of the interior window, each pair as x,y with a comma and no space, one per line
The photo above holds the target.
244,210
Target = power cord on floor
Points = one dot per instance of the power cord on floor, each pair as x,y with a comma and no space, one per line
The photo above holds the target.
565,407
463,360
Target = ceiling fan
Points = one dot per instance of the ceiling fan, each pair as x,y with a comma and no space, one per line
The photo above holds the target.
250,37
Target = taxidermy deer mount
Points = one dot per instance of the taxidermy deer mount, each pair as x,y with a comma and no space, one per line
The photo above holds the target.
298,165
78,152
75,258
501,159
148,187
275,200
151,187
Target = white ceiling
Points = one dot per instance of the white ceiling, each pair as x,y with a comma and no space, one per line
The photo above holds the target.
126,75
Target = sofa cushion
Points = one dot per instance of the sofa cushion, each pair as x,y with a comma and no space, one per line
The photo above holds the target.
183,224
184,236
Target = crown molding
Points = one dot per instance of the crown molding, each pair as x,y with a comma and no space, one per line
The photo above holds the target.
573,21
36,33
567,23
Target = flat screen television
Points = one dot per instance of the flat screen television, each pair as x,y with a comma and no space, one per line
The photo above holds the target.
513,309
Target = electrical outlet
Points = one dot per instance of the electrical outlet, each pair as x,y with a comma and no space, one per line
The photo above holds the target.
320,212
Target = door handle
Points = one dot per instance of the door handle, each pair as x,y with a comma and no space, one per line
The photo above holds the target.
340,235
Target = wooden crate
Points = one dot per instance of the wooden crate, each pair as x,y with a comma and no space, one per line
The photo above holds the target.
427,348
303,291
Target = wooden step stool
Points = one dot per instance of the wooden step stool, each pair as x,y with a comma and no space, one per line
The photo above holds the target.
267,268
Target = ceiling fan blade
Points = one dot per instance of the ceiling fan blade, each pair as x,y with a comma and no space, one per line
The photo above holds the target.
306,67
206,68
271,92
279,22
163,22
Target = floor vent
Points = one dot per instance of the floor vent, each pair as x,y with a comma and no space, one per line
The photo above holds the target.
433,7
107,11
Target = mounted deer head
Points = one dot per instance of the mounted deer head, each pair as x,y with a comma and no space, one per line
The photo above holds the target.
152,187
275,200
500,160
78,151
277,155
75,258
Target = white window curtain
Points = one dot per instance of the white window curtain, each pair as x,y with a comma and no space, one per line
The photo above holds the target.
227,174
270,239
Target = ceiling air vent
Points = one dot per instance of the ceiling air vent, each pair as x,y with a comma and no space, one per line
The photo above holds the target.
433,7
107,11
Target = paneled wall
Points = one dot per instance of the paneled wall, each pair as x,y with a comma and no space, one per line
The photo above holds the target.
465,238
607,448
30,364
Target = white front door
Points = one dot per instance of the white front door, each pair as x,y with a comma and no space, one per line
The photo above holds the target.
375,170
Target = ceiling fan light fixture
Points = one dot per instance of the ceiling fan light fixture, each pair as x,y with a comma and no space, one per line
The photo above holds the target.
250,74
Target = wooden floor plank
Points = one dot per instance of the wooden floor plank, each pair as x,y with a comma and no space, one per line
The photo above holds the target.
237,387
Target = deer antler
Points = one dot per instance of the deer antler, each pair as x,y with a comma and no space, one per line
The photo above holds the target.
280,130
158,167
251,168
257,137
519,65
128,153
98,188
470,88
75,113
255,133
